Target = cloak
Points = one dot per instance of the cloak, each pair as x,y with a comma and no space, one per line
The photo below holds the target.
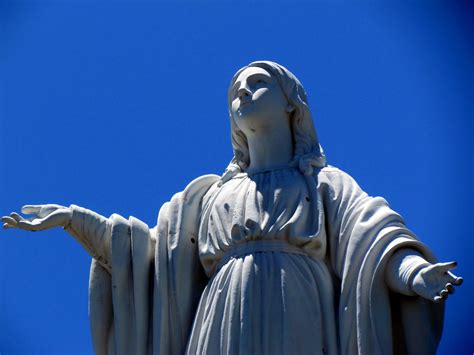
143,297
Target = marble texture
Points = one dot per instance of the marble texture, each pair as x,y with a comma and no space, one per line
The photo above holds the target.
281,254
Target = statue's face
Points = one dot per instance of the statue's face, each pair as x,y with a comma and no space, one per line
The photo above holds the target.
257,99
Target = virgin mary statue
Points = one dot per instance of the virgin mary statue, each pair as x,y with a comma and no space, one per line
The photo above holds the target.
282,254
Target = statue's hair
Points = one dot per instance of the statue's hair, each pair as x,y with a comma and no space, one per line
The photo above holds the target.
307,150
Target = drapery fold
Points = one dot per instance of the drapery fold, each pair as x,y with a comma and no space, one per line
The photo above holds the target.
143,281
144,299
363,233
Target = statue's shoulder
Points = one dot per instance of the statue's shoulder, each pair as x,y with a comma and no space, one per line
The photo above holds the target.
331,172
197,188
183,209
335,179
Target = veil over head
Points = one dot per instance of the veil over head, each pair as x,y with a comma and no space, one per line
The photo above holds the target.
308,153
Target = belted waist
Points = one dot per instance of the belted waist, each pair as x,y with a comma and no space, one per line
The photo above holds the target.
256,246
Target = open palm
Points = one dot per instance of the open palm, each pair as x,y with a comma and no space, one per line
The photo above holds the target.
435,282
43,217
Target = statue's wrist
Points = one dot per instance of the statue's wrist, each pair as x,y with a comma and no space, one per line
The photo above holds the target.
414,273
67,217
72,210
402,269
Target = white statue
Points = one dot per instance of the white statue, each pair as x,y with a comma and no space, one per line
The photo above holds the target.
283,254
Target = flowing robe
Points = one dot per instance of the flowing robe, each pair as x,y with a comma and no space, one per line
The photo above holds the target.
146,284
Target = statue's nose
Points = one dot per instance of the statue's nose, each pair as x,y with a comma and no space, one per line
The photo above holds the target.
244,91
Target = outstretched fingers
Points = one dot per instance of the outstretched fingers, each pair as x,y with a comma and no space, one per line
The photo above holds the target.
455,280
451,289
445,267
435,282
441,296
16,221
32,226
9,222
16,216
451,280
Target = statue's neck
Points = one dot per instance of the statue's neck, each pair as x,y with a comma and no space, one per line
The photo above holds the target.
270,147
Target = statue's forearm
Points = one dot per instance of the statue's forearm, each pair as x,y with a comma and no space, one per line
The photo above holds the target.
401,269
93,232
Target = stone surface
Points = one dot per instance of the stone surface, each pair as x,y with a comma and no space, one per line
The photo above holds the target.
282,254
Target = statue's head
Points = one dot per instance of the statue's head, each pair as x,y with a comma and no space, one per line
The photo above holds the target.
307,151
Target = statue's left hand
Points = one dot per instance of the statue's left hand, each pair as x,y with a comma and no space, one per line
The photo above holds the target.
435,282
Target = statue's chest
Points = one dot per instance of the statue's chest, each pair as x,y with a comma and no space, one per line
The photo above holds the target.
258,204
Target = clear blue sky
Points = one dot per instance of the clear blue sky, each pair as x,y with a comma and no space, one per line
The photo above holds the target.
115,106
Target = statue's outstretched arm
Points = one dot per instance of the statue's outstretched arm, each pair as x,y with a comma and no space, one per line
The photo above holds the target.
90,229
407,271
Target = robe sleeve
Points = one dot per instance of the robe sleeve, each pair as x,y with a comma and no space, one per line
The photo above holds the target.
93,232
118,300
363,234
145,304
402,268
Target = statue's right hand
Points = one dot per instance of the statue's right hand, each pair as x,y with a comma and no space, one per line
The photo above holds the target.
43,217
